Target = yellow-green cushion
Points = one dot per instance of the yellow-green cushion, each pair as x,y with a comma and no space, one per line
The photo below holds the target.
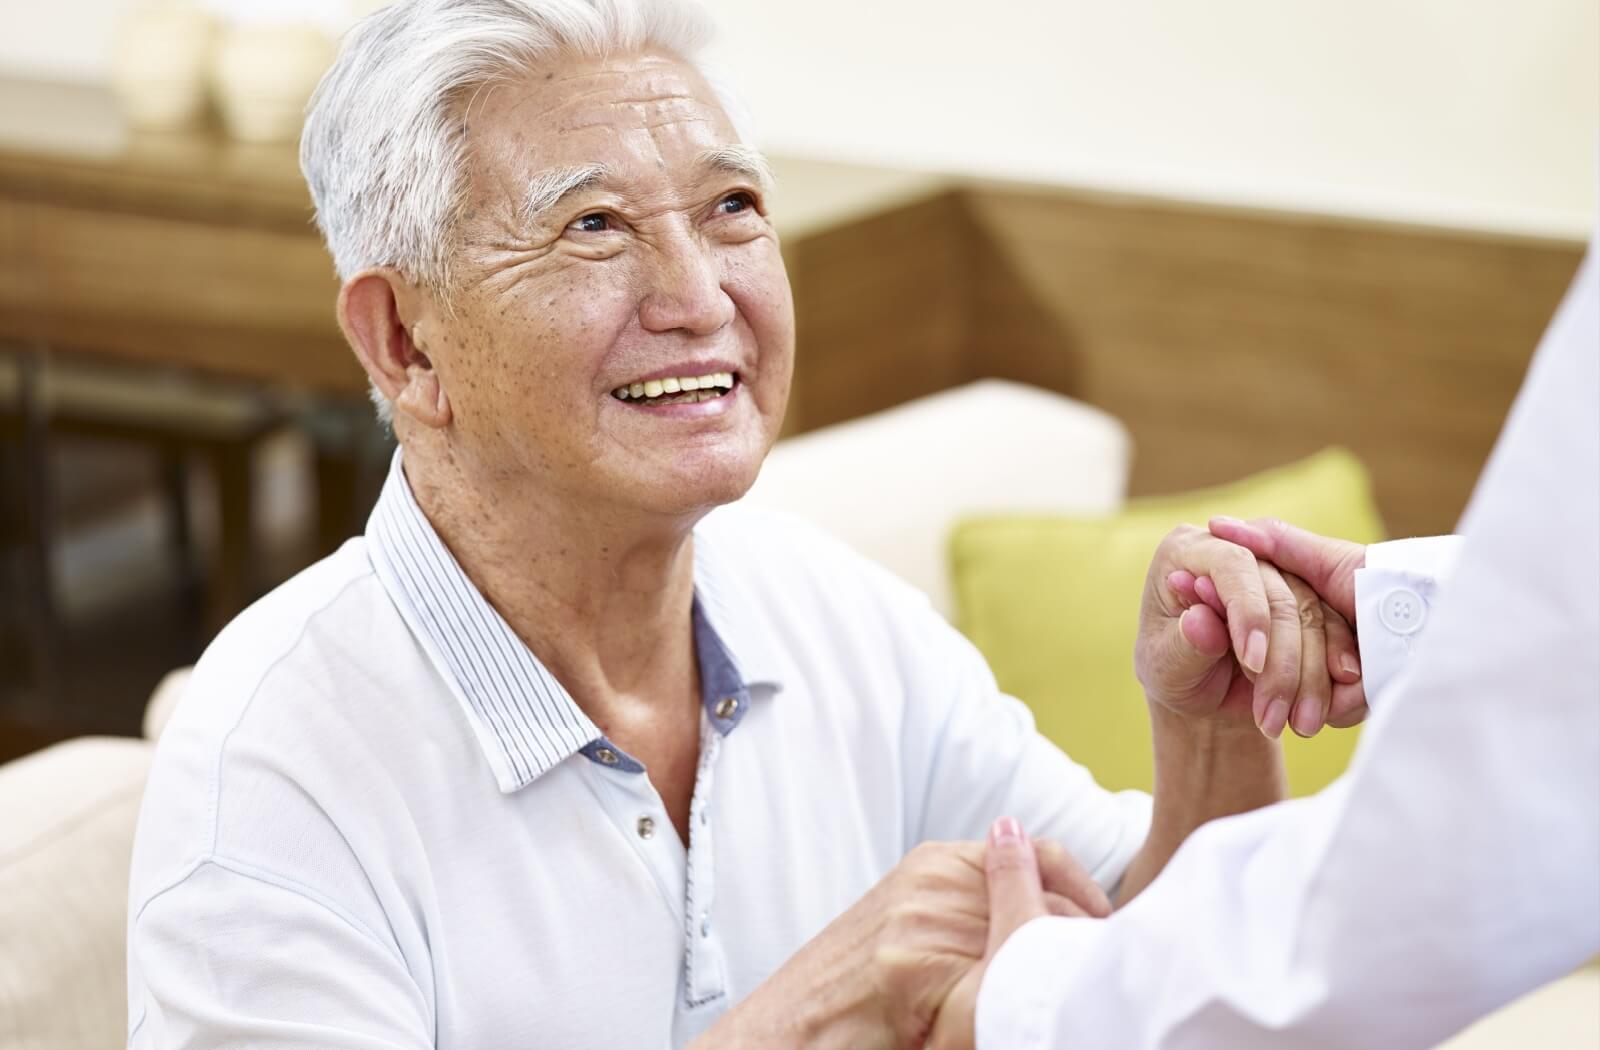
1053,603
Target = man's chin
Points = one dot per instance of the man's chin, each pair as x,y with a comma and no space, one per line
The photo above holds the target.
691,487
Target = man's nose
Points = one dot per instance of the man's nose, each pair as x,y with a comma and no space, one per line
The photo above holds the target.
685,291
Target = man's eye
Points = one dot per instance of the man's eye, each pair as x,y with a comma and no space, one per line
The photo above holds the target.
598,222
734,203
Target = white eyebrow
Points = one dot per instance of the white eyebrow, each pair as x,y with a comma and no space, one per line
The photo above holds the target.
549,188
739,159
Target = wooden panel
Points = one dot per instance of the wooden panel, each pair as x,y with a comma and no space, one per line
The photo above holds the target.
249,303
1230,341
883,309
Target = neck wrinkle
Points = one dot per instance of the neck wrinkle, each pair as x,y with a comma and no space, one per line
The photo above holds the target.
605,606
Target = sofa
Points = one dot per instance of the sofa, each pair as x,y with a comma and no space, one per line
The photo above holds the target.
892,484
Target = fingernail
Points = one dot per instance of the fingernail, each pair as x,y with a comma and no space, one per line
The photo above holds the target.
1350,665
1004,831
1255,652
1307,718
1226,520
1273,721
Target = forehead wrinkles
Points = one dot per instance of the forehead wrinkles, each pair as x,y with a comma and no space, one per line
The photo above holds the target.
616,118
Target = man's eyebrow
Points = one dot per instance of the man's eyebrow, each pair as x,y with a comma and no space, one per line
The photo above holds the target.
739,159
549,188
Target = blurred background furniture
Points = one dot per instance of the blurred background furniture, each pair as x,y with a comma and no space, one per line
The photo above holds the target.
67,433
67,812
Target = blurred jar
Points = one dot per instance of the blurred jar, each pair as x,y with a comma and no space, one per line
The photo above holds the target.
159,64
263,74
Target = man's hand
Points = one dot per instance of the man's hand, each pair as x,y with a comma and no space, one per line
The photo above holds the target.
1015,898
877,975
1226,637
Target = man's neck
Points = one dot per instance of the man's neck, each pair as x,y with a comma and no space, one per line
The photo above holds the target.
602,598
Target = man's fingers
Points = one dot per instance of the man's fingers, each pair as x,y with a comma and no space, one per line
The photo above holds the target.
1056,904
1182,584
1329,565
1344,655
1205,632
1349,705
1278,683
1233,573
1016,895
1316,684
1206,591
1061,873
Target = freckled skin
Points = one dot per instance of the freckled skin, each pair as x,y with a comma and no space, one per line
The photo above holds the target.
570,510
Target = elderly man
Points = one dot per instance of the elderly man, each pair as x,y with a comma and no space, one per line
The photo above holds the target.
555,756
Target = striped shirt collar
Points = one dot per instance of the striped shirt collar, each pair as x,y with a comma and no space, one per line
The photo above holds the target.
524,720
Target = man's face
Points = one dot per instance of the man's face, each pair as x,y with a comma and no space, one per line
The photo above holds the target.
661,267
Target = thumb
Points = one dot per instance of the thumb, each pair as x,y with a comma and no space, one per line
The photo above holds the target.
1328,565
1183,658
1016,894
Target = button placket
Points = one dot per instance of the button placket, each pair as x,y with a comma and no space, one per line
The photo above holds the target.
704,976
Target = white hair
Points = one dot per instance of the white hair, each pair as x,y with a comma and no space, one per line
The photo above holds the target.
384,143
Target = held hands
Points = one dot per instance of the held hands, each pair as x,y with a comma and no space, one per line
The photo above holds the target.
877,975
1253,621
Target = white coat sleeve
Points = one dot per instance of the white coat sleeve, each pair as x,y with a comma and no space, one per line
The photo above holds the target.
1456,865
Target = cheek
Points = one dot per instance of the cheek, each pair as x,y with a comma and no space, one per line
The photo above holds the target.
557,335
758,284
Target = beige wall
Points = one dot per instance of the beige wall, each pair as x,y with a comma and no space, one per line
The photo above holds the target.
1481,112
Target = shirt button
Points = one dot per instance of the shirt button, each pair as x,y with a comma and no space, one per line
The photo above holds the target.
607,756
727,707
1403,610
647,827
705,924
705,816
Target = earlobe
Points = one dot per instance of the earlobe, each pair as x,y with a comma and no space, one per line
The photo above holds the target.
372,313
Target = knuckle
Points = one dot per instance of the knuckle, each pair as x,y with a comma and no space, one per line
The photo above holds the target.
1284,607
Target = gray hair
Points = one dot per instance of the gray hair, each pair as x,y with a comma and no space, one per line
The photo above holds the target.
383,146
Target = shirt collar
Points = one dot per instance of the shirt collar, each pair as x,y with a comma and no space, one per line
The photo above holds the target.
524,720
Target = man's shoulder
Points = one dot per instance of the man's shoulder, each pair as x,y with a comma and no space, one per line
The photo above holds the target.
272,718
340,593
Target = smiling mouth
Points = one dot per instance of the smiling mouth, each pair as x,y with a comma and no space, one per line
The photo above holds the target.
686,390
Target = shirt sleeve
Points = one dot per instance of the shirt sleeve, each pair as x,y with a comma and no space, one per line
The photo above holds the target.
1452,869
976,756
229,957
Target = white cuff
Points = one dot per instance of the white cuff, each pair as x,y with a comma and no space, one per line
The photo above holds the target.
1027,981
1395,594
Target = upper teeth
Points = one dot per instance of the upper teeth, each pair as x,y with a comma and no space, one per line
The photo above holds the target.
657,387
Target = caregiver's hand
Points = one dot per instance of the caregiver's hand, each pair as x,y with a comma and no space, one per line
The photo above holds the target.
1015,898
876,976
1227,636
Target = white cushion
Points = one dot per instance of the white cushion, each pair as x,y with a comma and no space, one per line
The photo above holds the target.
164,700
67,815
891,484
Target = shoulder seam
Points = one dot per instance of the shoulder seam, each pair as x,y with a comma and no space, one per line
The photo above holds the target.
215,794
270,878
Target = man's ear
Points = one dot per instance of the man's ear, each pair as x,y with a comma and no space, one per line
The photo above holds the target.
375,307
